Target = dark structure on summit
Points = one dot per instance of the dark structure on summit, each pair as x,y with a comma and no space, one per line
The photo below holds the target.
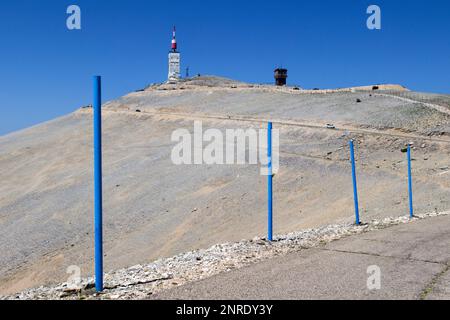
280,76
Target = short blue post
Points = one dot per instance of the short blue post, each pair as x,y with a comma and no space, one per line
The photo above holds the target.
98,183
355,187
269,182
411,209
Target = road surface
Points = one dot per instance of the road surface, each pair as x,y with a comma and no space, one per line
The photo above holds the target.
413,260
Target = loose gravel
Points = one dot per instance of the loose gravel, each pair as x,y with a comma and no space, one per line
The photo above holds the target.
140,281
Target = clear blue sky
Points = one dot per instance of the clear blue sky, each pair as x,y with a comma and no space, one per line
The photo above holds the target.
46,69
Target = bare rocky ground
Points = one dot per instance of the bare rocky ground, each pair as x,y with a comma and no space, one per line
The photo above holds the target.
144,281
154,209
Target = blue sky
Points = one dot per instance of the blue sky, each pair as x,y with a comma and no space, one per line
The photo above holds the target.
46,69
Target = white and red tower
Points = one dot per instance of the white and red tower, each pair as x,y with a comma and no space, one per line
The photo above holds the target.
174,60
174,39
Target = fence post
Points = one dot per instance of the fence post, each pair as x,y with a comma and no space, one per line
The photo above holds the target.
269,182
355,187
411,209
98,206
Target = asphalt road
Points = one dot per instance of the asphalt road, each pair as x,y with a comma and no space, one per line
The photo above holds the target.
413,261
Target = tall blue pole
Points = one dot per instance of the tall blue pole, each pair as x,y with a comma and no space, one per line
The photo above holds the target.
355,187
269,182
411,209
98,207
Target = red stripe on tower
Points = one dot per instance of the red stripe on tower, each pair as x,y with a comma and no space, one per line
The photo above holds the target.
174,40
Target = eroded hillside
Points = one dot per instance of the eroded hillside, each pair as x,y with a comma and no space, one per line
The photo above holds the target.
153,208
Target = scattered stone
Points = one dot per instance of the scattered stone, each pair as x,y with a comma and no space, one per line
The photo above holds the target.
89,285
261,242
140,281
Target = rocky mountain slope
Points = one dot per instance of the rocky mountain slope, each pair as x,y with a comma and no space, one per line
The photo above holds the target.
154,209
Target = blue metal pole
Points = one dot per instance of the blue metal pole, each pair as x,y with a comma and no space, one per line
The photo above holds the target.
98,183
269,181
411,209
355,187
